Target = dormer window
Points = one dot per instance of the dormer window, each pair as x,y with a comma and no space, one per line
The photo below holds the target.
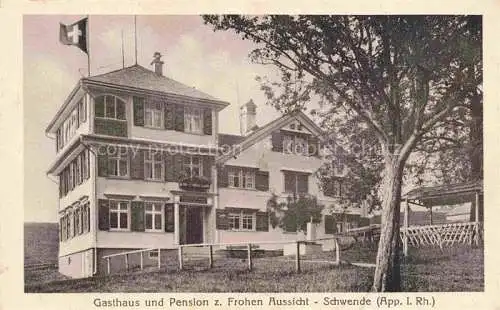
110,107
295,144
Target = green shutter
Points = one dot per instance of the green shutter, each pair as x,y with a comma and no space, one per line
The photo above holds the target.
169,217
277,141
138,111
303,183
179,117
169,114
207,121
103,205
137,216
262,180
222,176
330,225
221,219
169,168
262,221
102,165
136,164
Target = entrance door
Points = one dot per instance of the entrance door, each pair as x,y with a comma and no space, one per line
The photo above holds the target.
194,225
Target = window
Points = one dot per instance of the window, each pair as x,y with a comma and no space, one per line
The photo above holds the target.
153,166
296,182
294,144
85,165
234,221
193,166
82,111
69,224
193,120
153,254
154,216
247,222
119,215
110,107
85,218
241,178
74,174
243,220
153,115
78,170
118,164
78,223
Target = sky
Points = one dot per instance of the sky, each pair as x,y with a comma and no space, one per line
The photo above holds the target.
214,62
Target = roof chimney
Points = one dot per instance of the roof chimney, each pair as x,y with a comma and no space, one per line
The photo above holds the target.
248,115
157,63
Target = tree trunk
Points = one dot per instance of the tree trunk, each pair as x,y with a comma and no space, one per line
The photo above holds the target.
387,273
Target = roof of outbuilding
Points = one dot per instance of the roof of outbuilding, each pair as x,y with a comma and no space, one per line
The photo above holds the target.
446,194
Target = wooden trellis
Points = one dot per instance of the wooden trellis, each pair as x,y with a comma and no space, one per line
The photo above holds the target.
442,235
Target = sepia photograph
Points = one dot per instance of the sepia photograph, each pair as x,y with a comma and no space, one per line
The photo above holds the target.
253,154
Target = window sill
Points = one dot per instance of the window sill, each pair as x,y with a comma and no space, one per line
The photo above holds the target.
119,230
153,180
114,177
244,189
154,231
153,128
241,230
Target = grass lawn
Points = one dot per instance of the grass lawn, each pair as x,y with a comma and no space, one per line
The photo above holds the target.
456,269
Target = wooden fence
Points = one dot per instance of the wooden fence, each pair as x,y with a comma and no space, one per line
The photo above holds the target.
442,235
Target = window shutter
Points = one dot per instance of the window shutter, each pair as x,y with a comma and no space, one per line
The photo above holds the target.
169,115
169,168
277,141
137,216
103,214
169,217
137,164
138,111
303,183
262,180
207,121
330,225
179,117
178,171
102,165
221,219
222,177
262,221
208,161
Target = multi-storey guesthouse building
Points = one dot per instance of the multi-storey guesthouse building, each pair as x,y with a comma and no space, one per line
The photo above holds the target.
141,164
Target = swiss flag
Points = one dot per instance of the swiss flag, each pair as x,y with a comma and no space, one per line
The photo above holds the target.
75,34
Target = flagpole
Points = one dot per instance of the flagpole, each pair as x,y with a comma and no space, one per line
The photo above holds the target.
135,37
123,53
88,43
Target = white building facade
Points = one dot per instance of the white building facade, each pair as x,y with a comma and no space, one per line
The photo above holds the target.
141,164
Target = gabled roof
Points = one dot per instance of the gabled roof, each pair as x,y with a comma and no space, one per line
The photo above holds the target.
137,76
264,131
